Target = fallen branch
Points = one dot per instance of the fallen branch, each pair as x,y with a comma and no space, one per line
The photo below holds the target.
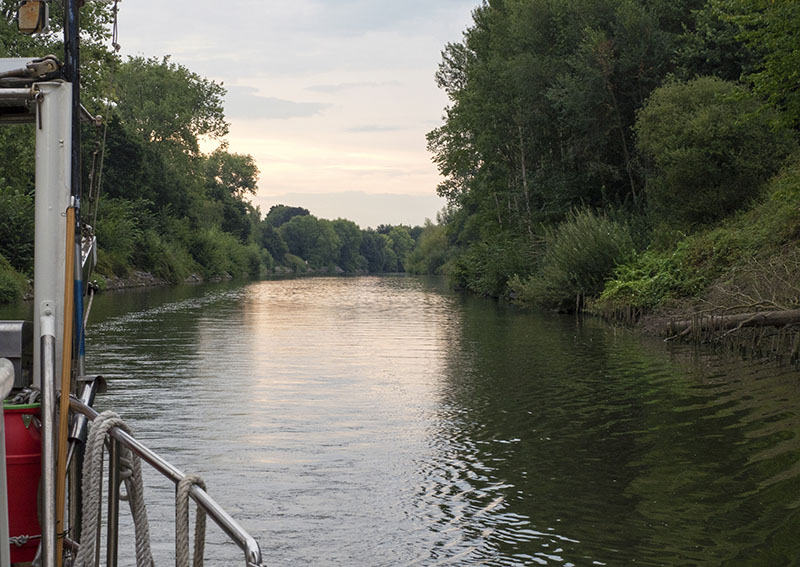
725,322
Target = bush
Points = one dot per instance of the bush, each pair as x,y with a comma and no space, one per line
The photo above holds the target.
688,268
485,267
710,149
118,233
267,261
169,261
220,253
580,255
649,280
255,264
12,283
16,228
295,263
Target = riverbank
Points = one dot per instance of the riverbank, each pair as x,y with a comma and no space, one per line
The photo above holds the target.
734,282
737,283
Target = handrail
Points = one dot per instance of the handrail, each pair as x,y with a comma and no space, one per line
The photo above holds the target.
246,542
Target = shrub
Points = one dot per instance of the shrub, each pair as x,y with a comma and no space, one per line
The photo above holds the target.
16,228
485,267
255,264
295,263
267,261
649,280
709,150
167,260
12,283
580,255
689,267
117,233
220,253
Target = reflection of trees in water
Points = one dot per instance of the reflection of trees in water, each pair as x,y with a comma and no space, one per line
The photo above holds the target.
578,432
148,344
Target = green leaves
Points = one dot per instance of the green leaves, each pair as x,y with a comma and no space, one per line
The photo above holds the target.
164,101
770,28
580,254
16,227
710,149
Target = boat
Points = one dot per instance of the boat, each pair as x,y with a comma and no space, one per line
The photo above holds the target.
54,445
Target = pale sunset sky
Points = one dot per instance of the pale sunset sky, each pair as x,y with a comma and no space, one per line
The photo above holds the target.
332,98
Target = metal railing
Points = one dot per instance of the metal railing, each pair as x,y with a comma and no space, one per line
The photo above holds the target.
250,547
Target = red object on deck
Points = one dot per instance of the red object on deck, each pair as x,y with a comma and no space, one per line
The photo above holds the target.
24,469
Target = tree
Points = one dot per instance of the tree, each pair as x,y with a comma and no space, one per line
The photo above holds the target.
98,59
16,227
230,174
712,46
164,102
401,243
430,252
350,258
229,178
770,28
709,150
312,239
272,241
373,249
279,215
135,168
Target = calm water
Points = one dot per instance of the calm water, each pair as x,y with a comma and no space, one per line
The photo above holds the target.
387,421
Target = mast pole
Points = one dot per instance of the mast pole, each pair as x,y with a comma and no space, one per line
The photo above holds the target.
72,287
72,75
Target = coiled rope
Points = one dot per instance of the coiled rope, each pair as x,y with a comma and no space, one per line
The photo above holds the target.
182,524
130,473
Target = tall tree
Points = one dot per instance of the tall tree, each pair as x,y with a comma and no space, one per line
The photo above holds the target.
771,28
163,101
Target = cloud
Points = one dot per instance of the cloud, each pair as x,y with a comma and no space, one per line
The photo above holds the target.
243,102
345,18
370,128
337,88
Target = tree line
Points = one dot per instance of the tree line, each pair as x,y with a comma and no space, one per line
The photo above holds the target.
164,206
599,148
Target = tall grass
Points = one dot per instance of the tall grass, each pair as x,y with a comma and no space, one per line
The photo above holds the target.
580,254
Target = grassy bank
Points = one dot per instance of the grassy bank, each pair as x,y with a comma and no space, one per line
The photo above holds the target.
749,263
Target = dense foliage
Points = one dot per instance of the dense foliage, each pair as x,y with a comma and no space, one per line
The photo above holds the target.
585,138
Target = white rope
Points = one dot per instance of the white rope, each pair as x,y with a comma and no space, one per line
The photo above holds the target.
130,472
182,524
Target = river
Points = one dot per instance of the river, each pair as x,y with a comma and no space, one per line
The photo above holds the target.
387,421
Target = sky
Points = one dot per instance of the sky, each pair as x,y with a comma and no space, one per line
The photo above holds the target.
332,98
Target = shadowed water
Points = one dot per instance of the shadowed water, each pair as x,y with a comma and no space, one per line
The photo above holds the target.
387,421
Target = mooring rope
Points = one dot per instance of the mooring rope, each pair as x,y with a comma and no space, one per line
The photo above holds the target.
182,524
130,473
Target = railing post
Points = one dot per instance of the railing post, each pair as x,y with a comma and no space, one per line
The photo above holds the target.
112,534
48,370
